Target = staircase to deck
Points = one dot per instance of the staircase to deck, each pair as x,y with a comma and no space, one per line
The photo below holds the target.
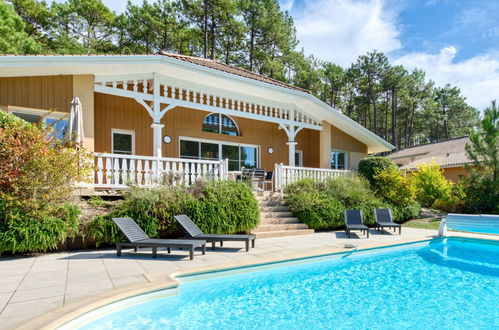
276,219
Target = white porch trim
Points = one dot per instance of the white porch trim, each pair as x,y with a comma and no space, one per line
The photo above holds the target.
154,91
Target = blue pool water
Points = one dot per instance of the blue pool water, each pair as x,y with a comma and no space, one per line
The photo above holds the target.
445,283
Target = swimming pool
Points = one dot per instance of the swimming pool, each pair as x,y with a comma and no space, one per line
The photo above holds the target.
444,283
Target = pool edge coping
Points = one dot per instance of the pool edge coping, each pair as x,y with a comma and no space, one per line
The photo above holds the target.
164,281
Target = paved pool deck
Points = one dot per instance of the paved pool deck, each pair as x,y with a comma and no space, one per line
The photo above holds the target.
46,290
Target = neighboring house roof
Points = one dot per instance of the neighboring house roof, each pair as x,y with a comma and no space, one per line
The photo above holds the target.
196,71
449,153
213,64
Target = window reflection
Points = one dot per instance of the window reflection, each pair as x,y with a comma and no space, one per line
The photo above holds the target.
338,160
238,156
222,124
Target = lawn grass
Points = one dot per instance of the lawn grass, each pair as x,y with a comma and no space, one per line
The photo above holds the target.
423,223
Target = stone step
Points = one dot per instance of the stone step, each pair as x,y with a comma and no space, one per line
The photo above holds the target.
269,221
280,233
274,208
279,227
276,214
271,203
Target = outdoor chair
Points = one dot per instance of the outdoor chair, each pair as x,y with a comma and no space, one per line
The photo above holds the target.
259,177
269,179
353,221
247,173
195,233
384,218
138,238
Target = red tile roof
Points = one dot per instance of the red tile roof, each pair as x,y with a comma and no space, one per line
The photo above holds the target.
447,153
212,64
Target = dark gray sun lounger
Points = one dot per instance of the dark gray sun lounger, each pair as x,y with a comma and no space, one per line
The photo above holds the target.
138,238
384,218
194,232
353,221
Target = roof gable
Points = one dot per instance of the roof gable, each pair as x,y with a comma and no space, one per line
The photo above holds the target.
213,64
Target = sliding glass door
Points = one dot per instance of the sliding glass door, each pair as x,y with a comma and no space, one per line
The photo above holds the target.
239,155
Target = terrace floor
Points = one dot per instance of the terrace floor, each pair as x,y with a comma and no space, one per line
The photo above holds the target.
36,291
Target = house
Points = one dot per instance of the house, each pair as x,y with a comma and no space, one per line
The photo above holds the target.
449,154
183,116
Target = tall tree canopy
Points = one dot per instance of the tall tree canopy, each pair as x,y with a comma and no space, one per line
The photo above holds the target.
400,106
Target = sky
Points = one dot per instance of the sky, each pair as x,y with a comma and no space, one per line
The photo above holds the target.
454,41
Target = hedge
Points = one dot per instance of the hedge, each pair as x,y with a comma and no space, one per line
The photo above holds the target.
321,205
370,165
222,207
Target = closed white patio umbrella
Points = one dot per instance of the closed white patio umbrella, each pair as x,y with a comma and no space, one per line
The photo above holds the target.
74,132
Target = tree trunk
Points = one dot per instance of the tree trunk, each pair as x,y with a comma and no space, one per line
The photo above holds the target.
212,33
394,117
386,115
411,124
205,28
446,128
375,115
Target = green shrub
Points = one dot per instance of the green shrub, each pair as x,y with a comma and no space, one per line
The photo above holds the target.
321,205
431,184
37,174
368,166
23,231
482,195
223,207
390,184
454,201
404,212
313,206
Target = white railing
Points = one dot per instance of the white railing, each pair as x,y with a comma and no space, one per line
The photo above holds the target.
285,175
116,171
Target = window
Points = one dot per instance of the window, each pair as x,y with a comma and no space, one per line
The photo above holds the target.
299,158
59,121
222,124
123,142
238,155
338,160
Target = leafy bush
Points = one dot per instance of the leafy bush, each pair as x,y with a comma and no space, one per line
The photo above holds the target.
405,212
22,231
223,207
34,167
310,203
482,188
368,166
37,174
482,195
390,184
455,200
431,184
321,205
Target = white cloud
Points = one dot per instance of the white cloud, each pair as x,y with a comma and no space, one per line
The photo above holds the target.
341,30
477,77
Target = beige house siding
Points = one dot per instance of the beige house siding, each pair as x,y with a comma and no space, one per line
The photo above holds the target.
42,92
355,149
123,113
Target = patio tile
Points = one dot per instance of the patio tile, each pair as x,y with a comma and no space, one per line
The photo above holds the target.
33,283
4,298
128,280
38,293
10,283
32,308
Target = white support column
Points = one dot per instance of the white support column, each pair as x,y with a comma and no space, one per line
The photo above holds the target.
157,136
156,124
292,150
